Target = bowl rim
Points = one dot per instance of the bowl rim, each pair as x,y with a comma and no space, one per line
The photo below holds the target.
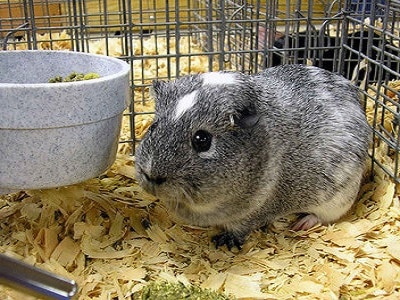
125,68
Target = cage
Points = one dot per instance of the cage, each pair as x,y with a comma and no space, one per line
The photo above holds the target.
166,39
162,40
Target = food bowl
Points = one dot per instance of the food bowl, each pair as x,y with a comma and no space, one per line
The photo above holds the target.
56,134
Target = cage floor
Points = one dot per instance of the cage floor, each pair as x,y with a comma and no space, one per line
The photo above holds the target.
113,239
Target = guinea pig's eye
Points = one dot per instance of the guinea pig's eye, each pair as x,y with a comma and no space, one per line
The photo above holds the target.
201,141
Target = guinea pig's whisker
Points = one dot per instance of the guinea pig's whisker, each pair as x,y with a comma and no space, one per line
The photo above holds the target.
187,196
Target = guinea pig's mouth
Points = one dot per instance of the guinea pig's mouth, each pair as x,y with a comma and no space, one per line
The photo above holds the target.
147,184
182,199
172,190
155,185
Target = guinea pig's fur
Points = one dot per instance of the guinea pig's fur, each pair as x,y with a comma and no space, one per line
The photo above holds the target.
238,151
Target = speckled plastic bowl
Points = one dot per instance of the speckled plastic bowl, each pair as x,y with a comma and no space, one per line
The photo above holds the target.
55,134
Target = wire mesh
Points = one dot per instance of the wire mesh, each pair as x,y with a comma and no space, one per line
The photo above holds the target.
167,39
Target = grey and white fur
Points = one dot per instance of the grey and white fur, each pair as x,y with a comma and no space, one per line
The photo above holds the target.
238,151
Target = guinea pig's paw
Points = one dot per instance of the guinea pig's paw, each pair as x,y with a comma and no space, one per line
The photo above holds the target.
305,222
229,239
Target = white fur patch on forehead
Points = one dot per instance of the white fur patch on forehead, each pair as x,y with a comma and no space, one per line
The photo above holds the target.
217,78
184,104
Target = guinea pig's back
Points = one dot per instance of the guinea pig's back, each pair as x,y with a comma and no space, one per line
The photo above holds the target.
317,123
310,104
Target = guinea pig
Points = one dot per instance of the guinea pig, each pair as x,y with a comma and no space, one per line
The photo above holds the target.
238,151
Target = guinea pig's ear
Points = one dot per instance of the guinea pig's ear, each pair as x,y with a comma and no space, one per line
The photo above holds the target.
245,118
159,91
243,111
158,88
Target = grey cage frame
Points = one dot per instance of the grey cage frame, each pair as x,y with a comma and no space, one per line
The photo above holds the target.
358,39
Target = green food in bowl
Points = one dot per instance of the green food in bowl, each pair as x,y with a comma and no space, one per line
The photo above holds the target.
74,76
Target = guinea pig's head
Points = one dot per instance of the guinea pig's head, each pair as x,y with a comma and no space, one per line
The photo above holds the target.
201,149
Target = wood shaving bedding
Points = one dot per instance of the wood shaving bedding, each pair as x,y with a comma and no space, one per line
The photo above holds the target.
114,239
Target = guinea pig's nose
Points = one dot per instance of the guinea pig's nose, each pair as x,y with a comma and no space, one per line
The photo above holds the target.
158,180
